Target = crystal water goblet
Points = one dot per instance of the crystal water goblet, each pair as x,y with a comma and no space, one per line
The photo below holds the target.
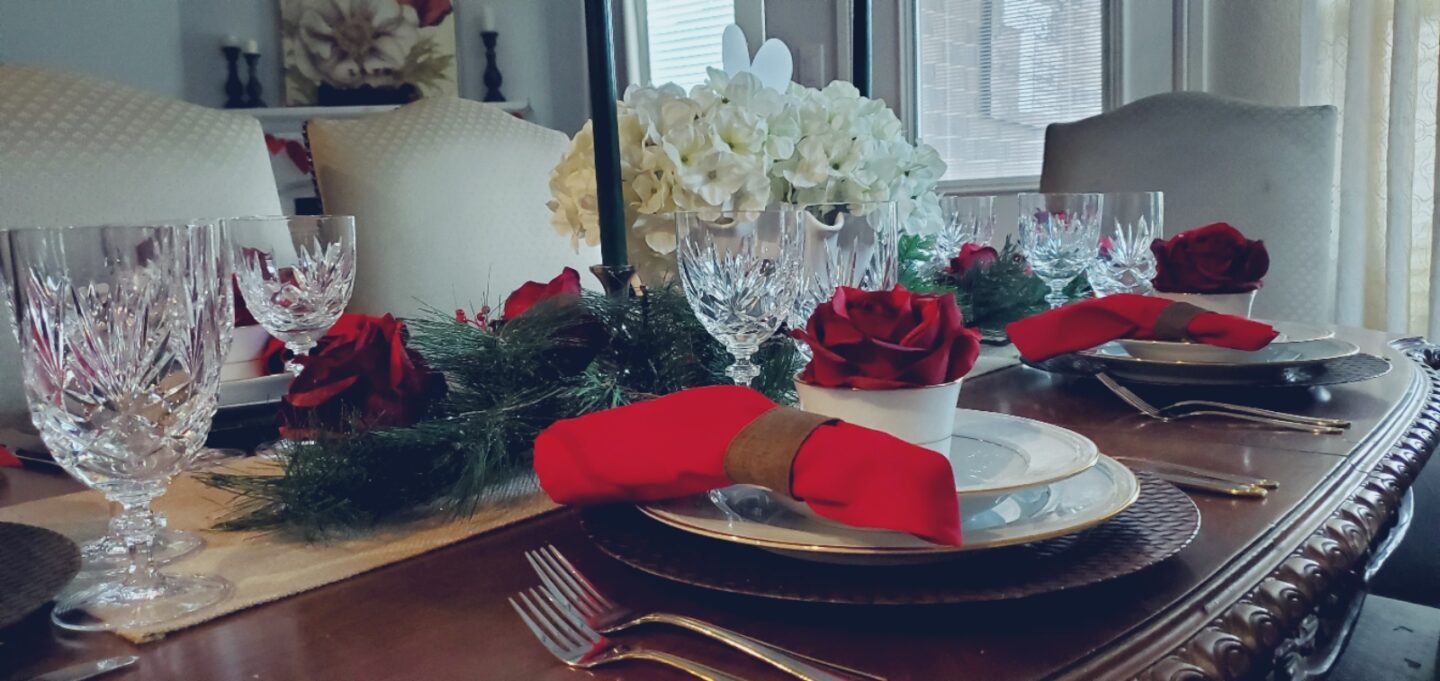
103,557
1124,262
296,274
122,330
740,271
845,244
964,220
1059,234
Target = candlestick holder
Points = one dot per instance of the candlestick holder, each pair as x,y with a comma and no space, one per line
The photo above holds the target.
617,281
492,70
252,87
234,89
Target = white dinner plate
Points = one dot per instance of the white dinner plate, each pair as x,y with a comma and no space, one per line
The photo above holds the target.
992,453
1283,356
250,392
1179,351
1058,509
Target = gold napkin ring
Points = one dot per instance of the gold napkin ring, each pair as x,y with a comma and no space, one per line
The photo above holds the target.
1173,322
763,452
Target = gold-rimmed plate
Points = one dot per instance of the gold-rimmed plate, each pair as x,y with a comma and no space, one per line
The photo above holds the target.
1284,356
1200,353
1070,505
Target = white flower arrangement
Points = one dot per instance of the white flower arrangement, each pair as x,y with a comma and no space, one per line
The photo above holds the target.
732,143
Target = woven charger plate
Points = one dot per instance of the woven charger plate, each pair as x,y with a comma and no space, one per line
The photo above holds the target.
1361,367
1160,523
35,564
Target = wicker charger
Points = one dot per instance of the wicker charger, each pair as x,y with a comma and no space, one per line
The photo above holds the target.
1160,523
35,564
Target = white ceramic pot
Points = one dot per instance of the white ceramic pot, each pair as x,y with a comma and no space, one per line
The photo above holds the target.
1238,304
923,416
243,359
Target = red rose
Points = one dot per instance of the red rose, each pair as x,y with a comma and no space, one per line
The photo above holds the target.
1211,259
431,12
887,339
361,377
565,287
970,257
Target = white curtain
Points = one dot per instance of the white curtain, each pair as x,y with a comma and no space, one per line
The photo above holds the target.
1378,61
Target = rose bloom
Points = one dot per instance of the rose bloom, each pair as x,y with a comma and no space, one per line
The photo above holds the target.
361,377
565,287
970,257
1215,258
881,340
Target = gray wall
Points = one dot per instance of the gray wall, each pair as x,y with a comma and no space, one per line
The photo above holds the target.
171,47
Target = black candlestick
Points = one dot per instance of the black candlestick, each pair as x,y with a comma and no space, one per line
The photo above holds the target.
252,88
862,71
610,202
492,70
234,89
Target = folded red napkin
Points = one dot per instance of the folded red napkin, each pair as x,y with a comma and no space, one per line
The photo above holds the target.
8,459
1088,323
675,446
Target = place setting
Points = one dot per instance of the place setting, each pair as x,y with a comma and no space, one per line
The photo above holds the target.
812,375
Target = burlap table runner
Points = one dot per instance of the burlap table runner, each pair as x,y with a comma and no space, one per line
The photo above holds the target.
264,567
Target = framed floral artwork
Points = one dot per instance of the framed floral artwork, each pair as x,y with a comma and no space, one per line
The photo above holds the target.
365,52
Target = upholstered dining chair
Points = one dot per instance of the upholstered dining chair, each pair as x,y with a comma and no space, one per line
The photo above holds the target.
1267,170
449,198
75,150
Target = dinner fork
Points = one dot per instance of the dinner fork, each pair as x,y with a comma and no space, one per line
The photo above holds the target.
577,645
1234,411
570,587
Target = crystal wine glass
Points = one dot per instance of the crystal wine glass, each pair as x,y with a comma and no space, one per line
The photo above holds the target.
740,270
119,329
965,220
1124,262
296,274
1059,234
845,244
103,557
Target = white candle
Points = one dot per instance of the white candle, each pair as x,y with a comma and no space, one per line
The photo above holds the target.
252,47
487,18
231,41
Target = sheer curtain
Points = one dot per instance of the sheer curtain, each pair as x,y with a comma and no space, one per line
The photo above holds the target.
1378,61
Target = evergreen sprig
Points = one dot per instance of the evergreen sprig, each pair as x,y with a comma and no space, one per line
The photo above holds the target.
553,362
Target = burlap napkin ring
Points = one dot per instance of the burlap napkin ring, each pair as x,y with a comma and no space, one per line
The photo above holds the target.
1173,322
763,452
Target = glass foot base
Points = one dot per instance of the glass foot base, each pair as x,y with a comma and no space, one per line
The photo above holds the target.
107,554
110,605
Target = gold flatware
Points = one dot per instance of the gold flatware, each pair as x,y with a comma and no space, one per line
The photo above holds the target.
1184,469
1252,414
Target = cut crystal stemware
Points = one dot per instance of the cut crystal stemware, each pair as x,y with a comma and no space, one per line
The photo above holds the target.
1059,234
122,331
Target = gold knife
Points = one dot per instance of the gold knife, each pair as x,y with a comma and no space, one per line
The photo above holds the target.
1200,484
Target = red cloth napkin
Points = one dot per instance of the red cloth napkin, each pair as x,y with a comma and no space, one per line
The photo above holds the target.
7,459
1088,323
674,446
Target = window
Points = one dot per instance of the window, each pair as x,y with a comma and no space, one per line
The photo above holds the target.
676,40
991,74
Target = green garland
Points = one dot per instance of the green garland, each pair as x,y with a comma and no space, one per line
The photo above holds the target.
990,296
550,363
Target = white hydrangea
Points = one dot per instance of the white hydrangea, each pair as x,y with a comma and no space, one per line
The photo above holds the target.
732,143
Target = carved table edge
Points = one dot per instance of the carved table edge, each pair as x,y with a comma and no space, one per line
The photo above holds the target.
1240,640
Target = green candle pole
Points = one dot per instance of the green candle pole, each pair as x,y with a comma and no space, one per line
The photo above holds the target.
861,51
615,270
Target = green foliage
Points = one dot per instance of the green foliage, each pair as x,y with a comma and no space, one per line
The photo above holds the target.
555,361
990,296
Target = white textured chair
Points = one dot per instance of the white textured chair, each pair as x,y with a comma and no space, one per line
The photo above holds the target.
1267,170
449,202
75,150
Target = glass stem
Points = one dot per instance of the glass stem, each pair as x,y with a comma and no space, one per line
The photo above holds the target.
1056,297
297,349
137,526
742,371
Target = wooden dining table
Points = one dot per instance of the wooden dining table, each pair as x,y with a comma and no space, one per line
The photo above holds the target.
1267,586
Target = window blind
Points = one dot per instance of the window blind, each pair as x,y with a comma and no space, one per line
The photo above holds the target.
993,73
683,38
